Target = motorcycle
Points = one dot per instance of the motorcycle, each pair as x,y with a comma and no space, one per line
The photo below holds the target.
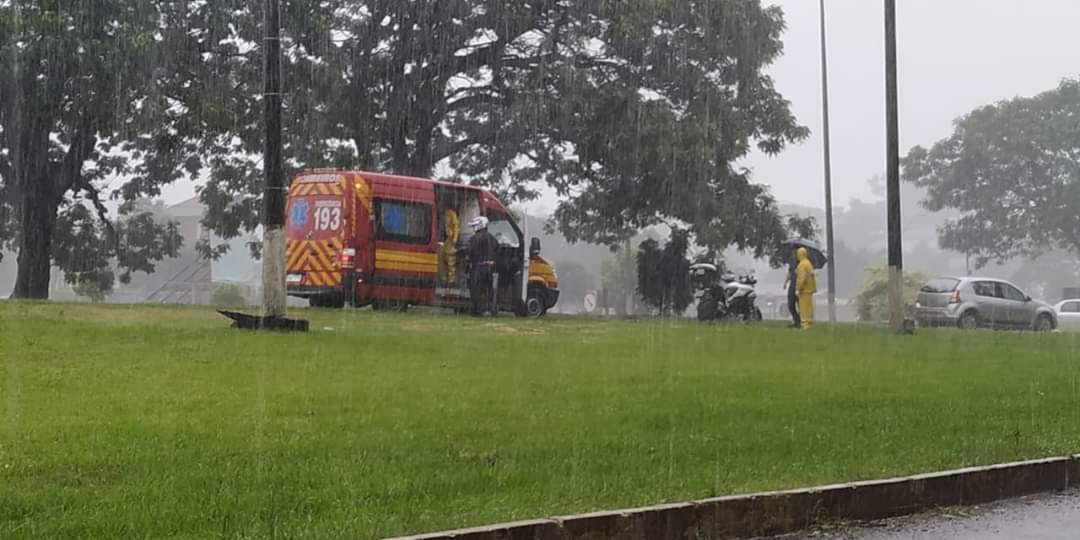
726,296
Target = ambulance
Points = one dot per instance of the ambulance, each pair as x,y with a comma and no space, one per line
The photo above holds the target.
368,239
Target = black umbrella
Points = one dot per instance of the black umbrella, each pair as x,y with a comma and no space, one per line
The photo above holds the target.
818,257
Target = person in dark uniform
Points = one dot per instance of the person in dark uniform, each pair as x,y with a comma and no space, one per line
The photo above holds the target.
792,294
482,248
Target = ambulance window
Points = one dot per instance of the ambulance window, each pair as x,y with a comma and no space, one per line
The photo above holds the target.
503,230
406,222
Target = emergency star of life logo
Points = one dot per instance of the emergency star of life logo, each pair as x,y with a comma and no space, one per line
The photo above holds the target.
299,215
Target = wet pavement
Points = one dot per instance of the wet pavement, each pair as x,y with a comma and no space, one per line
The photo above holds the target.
1043,517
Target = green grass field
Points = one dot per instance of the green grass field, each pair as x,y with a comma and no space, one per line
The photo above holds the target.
123,422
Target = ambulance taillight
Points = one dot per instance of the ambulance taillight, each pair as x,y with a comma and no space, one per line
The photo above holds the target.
347,258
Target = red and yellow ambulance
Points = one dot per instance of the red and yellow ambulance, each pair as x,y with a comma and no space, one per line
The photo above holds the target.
387,241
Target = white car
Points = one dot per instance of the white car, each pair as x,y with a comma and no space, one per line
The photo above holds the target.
1068,314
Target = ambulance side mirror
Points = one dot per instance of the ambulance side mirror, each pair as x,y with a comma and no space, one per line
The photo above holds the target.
534,246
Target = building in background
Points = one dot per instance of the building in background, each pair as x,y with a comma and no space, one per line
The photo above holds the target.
192,279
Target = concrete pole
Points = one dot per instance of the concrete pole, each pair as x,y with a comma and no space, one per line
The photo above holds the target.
273,217
829,243
892,114
629,299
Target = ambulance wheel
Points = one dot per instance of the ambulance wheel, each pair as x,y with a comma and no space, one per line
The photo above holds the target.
326,301
390,305
534,304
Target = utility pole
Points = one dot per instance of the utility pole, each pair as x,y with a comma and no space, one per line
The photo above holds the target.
829,244
892,195
274,190
273,170
628,301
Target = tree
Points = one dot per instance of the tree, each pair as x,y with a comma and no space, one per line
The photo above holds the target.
1012,171
79,105
634,112
664,274
575,281
872,300
228,295
650,287
85,244
619,282
383,85
93,290
688,100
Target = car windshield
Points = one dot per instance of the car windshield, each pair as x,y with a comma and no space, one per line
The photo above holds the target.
941,285
503,231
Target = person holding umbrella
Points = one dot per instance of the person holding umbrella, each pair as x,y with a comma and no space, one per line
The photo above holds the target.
801,280
792,295
806,287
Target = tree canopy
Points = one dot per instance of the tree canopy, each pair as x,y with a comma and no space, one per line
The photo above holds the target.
77,100
1012,171
634,113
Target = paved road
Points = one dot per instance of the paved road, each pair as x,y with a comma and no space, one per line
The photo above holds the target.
1044,517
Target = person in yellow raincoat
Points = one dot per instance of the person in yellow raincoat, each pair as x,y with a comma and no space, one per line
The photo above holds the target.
805,286
452,226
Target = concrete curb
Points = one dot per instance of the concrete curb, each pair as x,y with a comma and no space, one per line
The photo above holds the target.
781,512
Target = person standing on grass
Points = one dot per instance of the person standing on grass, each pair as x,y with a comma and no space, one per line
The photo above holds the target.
792,295
806,287
482,248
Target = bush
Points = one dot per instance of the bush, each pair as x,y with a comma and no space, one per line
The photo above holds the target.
664,274
228,295
94,290
872,301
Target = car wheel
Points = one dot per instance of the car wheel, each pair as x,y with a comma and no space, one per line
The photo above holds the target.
968,321
1044,323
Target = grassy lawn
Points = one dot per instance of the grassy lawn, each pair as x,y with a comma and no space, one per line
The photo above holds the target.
121,422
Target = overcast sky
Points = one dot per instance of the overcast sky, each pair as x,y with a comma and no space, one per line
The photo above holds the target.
954,56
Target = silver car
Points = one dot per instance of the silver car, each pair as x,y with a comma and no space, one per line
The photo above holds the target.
1068,314
972,302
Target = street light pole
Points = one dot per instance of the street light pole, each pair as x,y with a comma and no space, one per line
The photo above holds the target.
828,170
892,121
273,218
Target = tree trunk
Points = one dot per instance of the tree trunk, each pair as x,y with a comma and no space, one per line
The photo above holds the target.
421,165
37,223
